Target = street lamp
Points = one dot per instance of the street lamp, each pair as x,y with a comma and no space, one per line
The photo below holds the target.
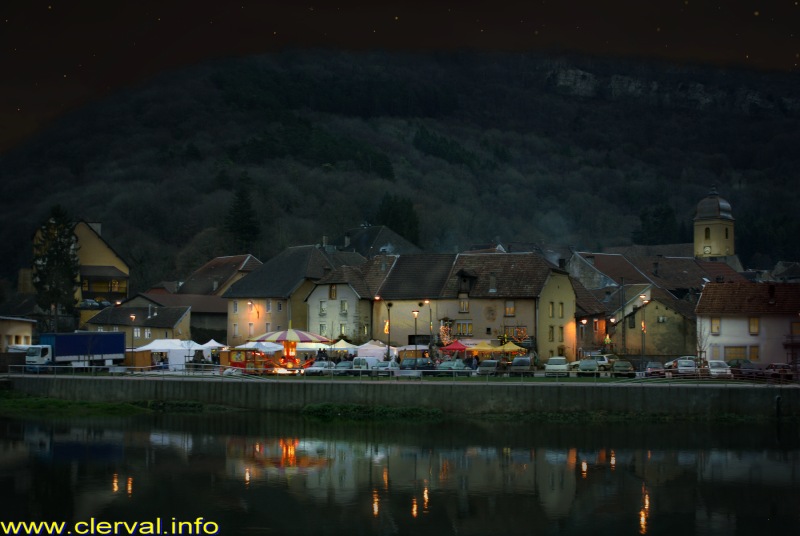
416,314
133,333
430,327
388,328
645,301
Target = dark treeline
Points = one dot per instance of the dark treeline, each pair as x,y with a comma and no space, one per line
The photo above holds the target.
467,148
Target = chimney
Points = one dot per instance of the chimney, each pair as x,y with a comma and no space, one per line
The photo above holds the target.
347,240
324,240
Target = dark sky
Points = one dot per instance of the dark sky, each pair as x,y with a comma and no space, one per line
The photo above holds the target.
61,54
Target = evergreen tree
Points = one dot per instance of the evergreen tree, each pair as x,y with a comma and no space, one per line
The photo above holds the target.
241,221
659,226
399,215
56,266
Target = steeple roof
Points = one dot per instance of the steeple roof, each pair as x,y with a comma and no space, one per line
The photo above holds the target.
713,207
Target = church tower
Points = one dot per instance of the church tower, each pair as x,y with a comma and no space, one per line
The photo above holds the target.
713,227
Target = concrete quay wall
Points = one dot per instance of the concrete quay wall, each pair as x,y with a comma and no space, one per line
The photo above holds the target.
702,400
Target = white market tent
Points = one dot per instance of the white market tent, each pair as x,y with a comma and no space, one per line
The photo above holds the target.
343,345
214,344
266,347
178,352
375,348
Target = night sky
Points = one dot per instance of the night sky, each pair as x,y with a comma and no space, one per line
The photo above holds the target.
61,54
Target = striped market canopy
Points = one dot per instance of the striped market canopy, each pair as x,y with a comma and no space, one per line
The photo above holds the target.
290,335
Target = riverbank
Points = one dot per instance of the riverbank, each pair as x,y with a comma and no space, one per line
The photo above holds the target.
486,400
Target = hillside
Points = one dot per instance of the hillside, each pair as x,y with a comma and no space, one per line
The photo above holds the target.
520,148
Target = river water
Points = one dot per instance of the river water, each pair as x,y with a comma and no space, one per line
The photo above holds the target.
247,474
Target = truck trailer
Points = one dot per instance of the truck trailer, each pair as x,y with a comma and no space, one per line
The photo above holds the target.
78,349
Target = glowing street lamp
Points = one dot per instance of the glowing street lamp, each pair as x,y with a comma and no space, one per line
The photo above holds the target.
416,314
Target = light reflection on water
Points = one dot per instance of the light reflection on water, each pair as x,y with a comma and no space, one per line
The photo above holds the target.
287,475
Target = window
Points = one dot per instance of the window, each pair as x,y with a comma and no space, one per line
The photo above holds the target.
85,285
266,327
551,333
595,325
752,353
726,233
250,332
100,328
715,325
137,332
463,306
332,292
323,329
323,308
735,352
492,283
560,333
463,327
269,306
236,330
114,285
250,306
560,309
510,308
343,308
280,306
708,233
551,311
115,328
753,325
342,329
509,332
235,306
147,333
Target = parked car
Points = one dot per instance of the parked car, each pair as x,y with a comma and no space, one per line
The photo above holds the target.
719,369
588,367
489,367
364,365
417,363
744,369
556,366
521,366
343,368
604,361
686,368
622,368
454,367
780,372
654,369
385,368
320,368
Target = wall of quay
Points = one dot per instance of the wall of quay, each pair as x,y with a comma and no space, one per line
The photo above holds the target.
700,400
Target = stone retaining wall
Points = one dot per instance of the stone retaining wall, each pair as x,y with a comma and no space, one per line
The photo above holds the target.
457,398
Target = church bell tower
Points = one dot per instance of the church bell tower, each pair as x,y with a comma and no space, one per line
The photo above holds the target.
713,227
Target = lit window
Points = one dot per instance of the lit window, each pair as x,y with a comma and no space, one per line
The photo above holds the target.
752,353
560,333
114,285
551,333
551,310
560,309
332,292
510,308
595,325
754,325
137,332
464,328
342,329
100,328
715,325
147,333
323,330
463,306
343,307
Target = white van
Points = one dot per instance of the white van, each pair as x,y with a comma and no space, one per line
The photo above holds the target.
364,364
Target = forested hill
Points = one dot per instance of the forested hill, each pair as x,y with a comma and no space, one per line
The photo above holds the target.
521,148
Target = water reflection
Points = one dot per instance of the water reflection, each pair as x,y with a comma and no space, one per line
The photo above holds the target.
283,475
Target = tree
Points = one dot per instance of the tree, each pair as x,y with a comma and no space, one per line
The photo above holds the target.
240,221
56,266
399,215
659,226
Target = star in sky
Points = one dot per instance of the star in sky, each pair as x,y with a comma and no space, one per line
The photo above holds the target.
61,54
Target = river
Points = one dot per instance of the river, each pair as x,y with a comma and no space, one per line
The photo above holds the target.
234,473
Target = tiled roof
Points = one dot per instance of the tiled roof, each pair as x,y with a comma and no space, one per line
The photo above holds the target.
166,317
217,272
681,273
281,275
373,240
420,276
615,266
666,250
516,275
749,299
200,303
585,301
366,278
